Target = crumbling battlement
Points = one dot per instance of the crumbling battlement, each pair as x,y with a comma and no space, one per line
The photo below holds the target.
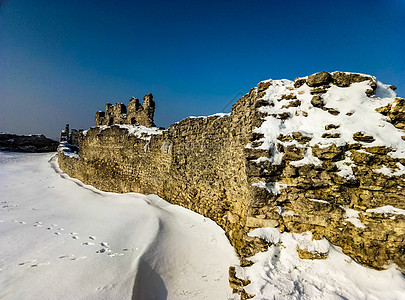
134,114
291,155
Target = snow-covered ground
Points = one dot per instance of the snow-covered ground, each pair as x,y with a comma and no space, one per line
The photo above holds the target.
60,239
280,273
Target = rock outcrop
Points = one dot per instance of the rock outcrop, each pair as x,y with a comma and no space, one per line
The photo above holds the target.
325,154
27,143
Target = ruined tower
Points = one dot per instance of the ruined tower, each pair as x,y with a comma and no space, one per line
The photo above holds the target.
134,114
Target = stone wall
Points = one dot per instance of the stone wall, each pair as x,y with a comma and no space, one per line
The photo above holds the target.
134,114
220,167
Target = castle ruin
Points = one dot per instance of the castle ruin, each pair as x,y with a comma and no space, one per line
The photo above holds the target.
134,114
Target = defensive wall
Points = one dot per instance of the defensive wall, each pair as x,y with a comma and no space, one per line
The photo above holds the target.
216,166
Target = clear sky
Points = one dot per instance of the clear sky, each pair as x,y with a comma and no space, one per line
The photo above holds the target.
61,61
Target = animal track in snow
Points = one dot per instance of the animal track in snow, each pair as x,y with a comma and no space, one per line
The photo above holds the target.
40,264
73,233
79,258
115,254
104,250
75,237
88,244
105,244
93,238
27,262
130,249
57,233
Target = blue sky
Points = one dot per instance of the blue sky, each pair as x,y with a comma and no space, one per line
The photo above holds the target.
61,61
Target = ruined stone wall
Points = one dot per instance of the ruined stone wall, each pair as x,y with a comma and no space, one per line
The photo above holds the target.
134,114
198,163
217,166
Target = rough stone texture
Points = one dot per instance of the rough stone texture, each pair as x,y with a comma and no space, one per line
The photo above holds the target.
210,164
396,112
27,143
135,113
318,79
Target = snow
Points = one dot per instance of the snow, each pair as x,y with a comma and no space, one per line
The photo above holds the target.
345,167
271,187
279,273
64,148
260,160
352,216
308,159
388,209
219,115
141,132
61,239
318,200
390,172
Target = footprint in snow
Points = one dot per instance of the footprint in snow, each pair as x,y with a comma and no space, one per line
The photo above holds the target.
93,238
75,237
49,228
27,262
57,233
79,258
40,264
37,225
88,244
22,222
66,256
115,254
130,249
73,233
104,250
105,244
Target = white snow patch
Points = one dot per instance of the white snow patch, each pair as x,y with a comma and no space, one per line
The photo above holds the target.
219,115
140,131
388,209
261,159
71,154
271,187
279,273
390,171
352,216
308,159
345,167
318,200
